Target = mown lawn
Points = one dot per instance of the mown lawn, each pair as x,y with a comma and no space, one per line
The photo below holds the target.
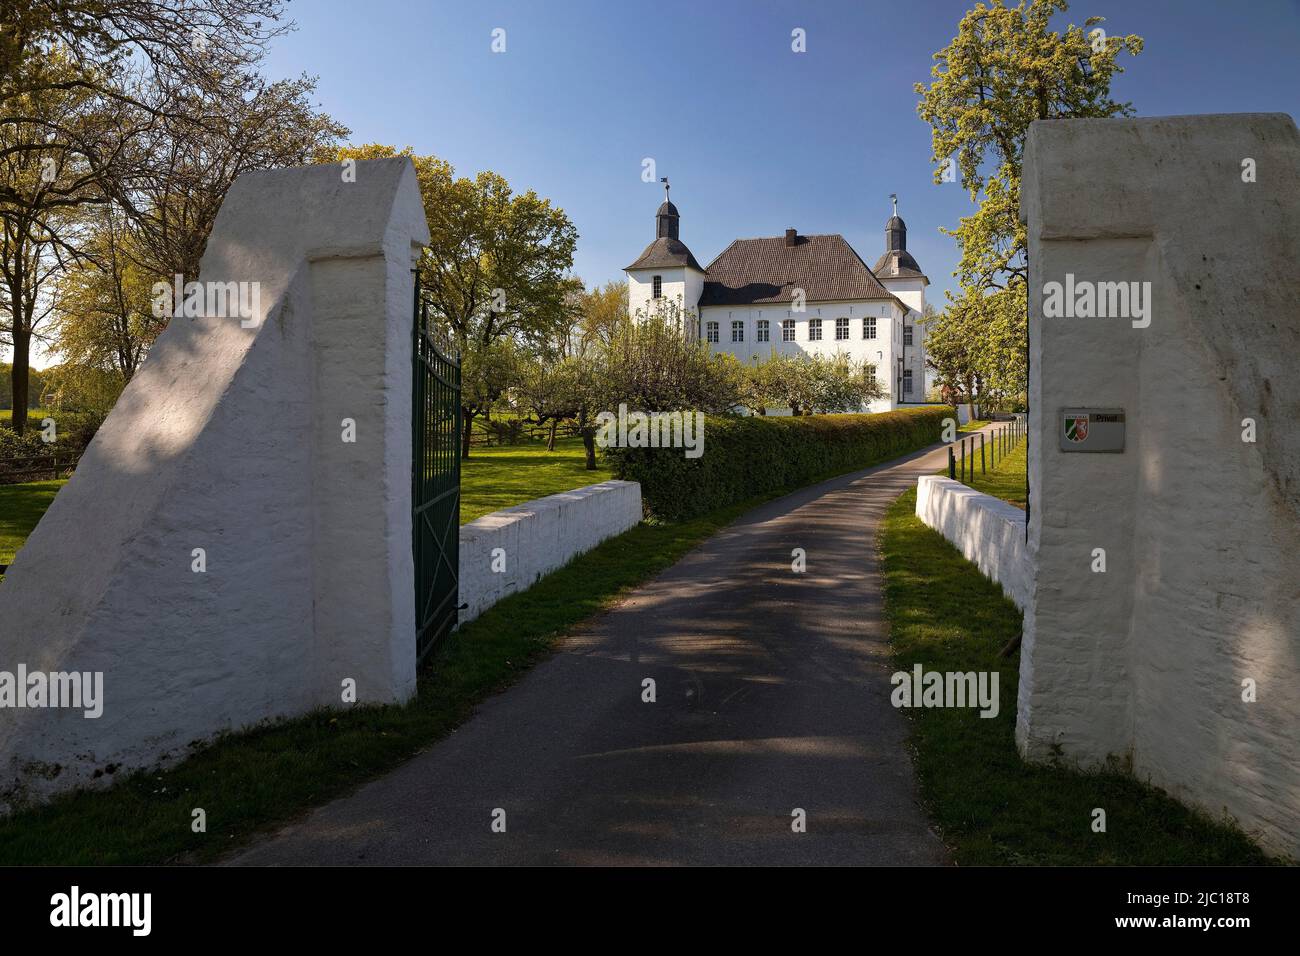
21,506
1005,480
990,806
34,415
494,478
499,476
251,781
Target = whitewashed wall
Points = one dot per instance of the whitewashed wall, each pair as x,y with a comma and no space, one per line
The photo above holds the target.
509,550
1201,530
229,439
989,532
883,350
679,284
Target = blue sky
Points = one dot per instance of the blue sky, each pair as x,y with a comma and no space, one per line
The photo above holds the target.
754,137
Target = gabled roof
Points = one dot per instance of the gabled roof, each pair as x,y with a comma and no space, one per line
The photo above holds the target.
752,271
666,253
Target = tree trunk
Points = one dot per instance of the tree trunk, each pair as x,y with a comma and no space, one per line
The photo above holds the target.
468,416
21,382
589,443
550,439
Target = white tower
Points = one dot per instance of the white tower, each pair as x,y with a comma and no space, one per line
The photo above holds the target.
899,273
666,272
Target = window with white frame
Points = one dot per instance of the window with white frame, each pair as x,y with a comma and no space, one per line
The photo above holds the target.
869,327
738,330
711,331
814,330
907,381
787,330
764,331
657,287
907,335
841,329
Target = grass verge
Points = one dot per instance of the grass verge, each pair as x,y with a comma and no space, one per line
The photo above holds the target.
21,506
500,476
1006,480
251,781
989,806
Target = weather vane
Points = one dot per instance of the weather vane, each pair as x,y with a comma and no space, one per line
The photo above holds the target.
664,180
894,197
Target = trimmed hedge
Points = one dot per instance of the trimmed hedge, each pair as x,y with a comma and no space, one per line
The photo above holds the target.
747,457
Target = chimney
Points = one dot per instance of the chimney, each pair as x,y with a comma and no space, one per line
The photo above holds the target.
791,237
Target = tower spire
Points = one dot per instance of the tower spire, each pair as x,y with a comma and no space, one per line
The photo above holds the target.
892,196
666,218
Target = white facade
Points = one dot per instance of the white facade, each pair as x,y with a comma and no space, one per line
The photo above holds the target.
873,331
682,284
884,331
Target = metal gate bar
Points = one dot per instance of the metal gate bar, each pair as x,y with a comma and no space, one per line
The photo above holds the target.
435,483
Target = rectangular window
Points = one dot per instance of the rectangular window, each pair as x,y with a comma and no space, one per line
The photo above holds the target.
907,335
907,381
787,330
658,283
814,330
869,327
841,329
737,331
764,335
711,331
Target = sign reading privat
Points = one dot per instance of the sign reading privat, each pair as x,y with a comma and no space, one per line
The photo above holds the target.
1092,429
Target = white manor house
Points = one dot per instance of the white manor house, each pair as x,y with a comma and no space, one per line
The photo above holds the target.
747,302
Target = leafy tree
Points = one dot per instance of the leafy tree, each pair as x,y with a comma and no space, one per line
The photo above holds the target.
495,270
1006,68
811,384
104,317
652,366
952,342
603,311
194,152
152,108
34,233
121,57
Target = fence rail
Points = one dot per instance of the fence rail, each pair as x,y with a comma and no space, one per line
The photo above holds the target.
20,468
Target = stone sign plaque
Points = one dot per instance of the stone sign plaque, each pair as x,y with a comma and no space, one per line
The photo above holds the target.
1091,429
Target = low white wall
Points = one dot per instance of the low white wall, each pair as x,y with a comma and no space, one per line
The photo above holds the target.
987,531
539,537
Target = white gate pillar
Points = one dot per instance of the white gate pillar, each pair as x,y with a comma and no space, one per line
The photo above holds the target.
1151,661
229,450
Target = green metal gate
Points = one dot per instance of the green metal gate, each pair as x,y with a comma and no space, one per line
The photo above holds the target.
435,483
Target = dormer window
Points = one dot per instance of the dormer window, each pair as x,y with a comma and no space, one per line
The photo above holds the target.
657,284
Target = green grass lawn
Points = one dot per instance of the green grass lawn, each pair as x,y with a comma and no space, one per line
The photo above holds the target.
251,781
497,477
34,415
21,506
1006,480
492,479
990,806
